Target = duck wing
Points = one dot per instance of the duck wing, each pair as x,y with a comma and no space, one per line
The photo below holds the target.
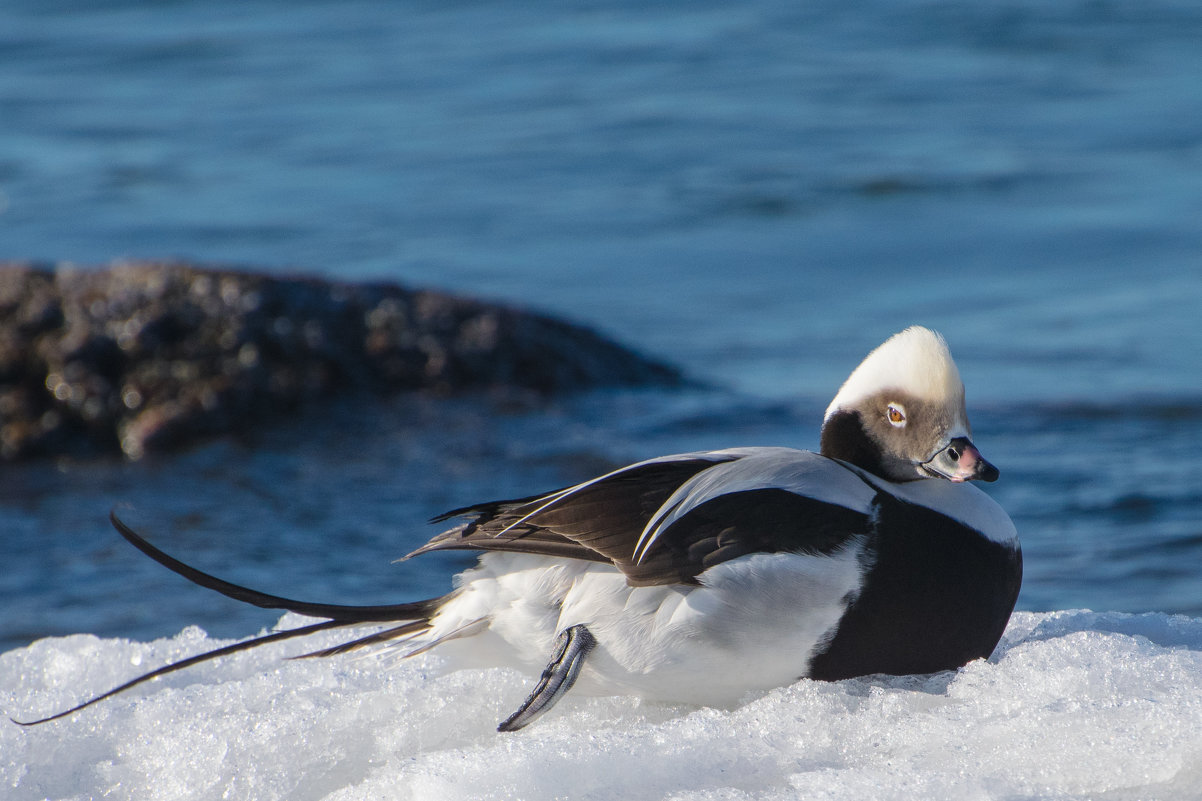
666,520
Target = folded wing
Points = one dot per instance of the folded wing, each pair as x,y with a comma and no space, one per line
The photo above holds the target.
667,520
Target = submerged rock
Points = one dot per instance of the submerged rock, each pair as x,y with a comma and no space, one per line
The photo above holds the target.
141,357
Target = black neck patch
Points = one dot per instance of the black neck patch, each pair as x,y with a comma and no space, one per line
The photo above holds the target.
844,438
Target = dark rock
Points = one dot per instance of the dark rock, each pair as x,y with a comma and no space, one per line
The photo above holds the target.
142,357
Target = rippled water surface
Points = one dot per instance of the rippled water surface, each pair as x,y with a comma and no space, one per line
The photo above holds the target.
759,192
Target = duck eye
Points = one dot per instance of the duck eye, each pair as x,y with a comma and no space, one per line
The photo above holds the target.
896,415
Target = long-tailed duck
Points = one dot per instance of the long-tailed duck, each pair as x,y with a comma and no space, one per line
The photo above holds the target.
703,576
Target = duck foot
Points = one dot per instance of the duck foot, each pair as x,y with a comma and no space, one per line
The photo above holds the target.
572,646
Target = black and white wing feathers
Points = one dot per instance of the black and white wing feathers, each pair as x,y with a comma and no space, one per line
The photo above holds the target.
667,520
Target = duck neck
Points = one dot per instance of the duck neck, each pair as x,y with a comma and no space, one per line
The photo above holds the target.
844,438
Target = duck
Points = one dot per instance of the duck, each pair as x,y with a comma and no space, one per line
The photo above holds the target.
707,577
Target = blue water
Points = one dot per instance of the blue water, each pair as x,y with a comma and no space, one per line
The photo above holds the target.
758,192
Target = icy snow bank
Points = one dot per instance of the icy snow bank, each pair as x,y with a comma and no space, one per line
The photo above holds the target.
1072,705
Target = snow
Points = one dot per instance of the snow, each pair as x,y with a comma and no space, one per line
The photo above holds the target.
1073,704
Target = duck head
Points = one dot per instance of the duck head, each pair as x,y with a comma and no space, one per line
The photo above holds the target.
901,414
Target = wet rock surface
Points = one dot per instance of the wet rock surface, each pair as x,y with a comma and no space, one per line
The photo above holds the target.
144,357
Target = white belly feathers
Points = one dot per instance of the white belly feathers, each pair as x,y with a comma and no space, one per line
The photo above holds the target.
752,624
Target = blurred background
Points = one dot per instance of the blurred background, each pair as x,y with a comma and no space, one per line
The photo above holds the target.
757,192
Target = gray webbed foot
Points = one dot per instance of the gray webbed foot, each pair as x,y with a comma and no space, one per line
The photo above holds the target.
572,646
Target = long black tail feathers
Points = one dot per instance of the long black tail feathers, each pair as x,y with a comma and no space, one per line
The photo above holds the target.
348,614
414,618
192,660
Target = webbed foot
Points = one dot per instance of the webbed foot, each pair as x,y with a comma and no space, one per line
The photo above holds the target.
572,646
